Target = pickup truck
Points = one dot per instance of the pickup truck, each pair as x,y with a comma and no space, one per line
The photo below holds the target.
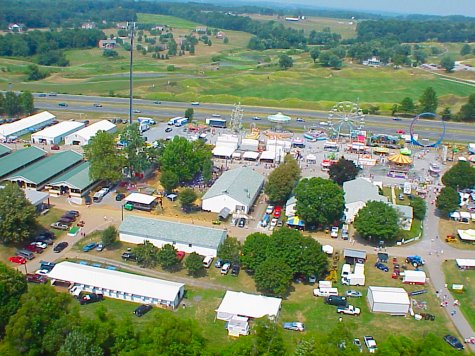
370,344
349,310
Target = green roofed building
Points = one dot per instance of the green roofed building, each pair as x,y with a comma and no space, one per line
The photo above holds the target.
75,182
4,150
39,173
19,159
184,237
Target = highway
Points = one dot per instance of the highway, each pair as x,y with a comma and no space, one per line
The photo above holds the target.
459,132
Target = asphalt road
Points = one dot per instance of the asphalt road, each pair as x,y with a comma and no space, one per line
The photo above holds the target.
112,105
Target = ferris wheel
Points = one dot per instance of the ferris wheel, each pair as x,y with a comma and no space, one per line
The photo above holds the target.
345,118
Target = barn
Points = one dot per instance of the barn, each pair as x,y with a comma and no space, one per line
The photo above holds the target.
82,137
53,135
394,301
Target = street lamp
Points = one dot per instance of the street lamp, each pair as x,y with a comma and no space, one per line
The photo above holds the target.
131,28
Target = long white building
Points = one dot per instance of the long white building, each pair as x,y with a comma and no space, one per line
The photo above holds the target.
56,133
82,137
28,124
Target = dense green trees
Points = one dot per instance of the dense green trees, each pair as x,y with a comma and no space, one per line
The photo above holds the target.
134,150
194,264
320,201
460,176
448,200
12,287
167,256
419,207
230,250
17,215
34,73
147,254
467,111
343,171
428,101
109,235
187,197
377,220
407,105
285,61
448,63
282,180
13,104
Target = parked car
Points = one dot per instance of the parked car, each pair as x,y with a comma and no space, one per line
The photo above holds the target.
73,213
225,268
334,232
55,148
295,325
370,344
36,278
90,298
168,129
219,263
357,343
34,248
100,247
120,196
90,246
273,222
60,247
381,266
66,221
142,310
349,310
42,238
180,255
60,226
242,222
270,209
454,342
129,256
47,265
353,293
336,300
235,270
17,259
43,272
277,211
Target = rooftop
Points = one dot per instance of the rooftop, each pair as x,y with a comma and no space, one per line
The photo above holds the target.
47,168
18,159
405,210
241,184
62,128
91,130
23,124
348,252
35,197
156,229
4,150
360,189
250,305
389,295
76,178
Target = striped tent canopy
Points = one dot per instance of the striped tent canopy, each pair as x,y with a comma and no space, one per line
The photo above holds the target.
400,159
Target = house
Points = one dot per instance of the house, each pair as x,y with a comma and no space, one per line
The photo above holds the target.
107,44
184,237
358,192
118,285
158,28
26,125
53,135
405,213
236,189
352,256
121,25
394,301
372,62
20,159
201,29
88,25
82,137
16,27
220,35
465,263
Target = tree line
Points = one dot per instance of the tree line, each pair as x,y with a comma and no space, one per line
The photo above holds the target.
14,104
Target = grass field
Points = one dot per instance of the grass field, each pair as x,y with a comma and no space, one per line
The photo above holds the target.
467,298
170,21
450,227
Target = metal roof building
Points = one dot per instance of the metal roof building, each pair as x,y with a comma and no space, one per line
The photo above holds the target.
83,136
19,159
4,150
249,305
354,256
75,181
26,125
39,173
119,285
358,192
394,301
56,133
236,189
184,237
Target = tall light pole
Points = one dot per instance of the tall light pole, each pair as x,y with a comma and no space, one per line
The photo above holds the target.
131,28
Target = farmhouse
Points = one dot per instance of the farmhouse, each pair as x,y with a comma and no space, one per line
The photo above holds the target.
26,125
394,301
119,285
184,237
76,182
107,44
39,173
236,189
82,137
358,192
19,159
56,133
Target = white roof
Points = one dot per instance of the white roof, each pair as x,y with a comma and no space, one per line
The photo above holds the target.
90,131
228,139
26,123
250,155
224,151
140,198
116,281
62,128
268,155
467,234
465,262
327,249
35,197
409,273
250,305
389,295
311,157
237,154
465,215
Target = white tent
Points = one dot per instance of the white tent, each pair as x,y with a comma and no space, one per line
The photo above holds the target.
223,151
394,301
23,126
248,305
248,144
140,198
311,158
465,263
56,133
328,249
250,156
268,156
468,235
83,136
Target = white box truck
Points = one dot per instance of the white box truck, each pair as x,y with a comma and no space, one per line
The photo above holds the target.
354,280
414,277
345,270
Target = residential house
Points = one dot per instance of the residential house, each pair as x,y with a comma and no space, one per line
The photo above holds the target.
16,27
88,25
220,35
358,192
201,29
107,44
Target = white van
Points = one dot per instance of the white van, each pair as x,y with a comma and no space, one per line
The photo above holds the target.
345,270
207,261
325,292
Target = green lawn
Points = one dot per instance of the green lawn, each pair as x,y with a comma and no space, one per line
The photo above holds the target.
467,298
170,21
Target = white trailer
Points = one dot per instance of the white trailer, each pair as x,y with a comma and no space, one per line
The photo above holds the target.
414,277
354,279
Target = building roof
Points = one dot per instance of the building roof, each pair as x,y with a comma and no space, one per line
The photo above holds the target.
18,159
115,280
404,210
241,184
62,128
4,150
90,131
76,178
223,151
360,189
156,229
23,124
140,198
250,305
292,200
465,262
389,295
47,168
348,252
35,197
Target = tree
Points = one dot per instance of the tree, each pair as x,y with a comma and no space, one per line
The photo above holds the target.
110,53
194,264
467,111
448,200
230,250
446,114
377,220
419,207
407,105
146,254
460,176
466,49
268,340
109,235
27,104
448,63
282,180
2,104
314,53
12,287
11,104
187,197
167,256
335,62
189,113
34,73
254,250
134,149
79,342
17,215
285,61
106,163
273,276
320,201
343,171
169,180
428,101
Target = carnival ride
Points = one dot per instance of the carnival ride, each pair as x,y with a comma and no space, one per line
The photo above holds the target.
345,118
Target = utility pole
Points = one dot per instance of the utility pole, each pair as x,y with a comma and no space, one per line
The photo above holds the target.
131,28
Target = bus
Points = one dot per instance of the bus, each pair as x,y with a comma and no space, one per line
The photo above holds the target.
181,121
174,120
216,122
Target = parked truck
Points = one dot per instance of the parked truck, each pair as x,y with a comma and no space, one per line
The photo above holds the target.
416,261
370,344
349,310
353,279
146,120
181,122
414,277
174,120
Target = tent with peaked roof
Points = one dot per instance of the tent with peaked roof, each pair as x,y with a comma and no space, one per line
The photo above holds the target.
400,159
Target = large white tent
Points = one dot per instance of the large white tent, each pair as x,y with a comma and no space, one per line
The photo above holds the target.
465,263
394,301
248,305
467,235
56,133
